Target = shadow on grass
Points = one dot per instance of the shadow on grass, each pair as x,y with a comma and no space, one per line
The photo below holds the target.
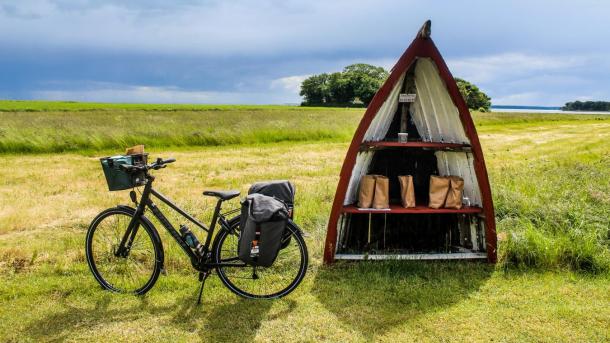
374,297
231,318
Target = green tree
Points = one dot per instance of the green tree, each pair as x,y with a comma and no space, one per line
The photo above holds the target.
357,81
474,97
365,79
341,90
315,89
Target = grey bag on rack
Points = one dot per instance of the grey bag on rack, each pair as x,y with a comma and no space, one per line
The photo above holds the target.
263,221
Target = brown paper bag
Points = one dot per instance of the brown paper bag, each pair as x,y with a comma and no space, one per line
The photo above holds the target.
382,192
454,196
439,186
407,193
366,191
135,150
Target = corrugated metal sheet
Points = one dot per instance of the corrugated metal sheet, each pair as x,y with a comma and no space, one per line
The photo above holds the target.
437,120
436,117
460,164
363,161
382,120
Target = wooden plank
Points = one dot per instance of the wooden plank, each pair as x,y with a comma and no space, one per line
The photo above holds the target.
420,209
431,145
454,256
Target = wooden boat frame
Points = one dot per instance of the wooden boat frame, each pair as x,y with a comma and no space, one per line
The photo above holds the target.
421,47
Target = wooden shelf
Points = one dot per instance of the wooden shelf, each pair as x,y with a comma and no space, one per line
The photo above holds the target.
423,256
430,145
420,209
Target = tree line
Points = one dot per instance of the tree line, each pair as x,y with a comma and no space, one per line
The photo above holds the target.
587,106
356,85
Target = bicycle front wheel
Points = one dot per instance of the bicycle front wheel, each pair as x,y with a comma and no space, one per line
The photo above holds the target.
275,281
138,270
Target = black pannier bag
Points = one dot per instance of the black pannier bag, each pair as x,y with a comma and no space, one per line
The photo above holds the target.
263,222
282,190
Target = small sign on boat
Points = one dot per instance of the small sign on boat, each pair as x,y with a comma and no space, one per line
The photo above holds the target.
406,97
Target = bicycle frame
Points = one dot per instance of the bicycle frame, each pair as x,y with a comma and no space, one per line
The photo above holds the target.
200,263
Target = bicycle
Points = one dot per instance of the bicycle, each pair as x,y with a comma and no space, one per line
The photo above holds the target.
125,253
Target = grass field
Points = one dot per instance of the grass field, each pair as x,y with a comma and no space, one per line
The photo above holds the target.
550,178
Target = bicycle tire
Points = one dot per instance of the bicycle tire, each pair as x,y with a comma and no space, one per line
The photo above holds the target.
295,238
151,234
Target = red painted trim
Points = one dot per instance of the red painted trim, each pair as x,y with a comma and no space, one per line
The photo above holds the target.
420,47
421,209
479,162
403,63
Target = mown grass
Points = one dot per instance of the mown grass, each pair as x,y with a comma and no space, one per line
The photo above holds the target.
550,184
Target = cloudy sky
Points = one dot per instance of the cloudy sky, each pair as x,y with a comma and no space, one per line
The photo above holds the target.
257,52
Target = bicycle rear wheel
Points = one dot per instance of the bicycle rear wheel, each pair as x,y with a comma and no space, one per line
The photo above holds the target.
275,281
135,273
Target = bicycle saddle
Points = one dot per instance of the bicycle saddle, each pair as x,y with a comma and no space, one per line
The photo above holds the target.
224,195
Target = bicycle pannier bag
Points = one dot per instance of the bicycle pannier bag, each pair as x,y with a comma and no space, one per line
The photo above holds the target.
407,192
439,186
366,191
381,200
263,222
454,196
282,190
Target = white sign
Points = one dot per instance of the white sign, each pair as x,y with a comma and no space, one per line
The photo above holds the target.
406,97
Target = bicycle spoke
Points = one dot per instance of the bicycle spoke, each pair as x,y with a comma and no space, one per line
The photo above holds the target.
262,281
128,273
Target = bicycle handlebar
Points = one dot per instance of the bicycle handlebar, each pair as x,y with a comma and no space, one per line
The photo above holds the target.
158,164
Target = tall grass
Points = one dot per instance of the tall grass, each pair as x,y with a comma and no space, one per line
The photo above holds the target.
52,127
551,189
549,173
51,132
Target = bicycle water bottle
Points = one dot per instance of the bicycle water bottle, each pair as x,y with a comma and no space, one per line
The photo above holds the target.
191,240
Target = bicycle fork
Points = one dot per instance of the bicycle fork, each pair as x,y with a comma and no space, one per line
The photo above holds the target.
129,236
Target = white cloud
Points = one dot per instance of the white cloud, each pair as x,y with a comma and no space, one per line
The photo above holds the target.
510,65
291,84
270,44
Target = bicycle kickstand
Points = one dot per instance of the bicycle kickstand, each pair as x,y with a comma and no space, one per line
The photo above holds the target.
202,277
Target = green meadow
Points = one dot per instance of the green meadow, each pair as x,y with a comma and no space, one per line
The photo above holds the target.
550,177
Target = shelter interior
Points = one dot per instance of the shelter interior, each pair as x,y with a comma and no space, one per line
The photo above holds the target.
437,145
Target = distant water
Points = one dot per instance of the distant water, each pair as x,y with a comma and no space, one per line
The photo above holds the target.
537,109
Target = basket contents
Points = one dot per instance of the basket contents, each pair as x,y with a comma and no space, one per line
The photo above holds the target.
119,179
